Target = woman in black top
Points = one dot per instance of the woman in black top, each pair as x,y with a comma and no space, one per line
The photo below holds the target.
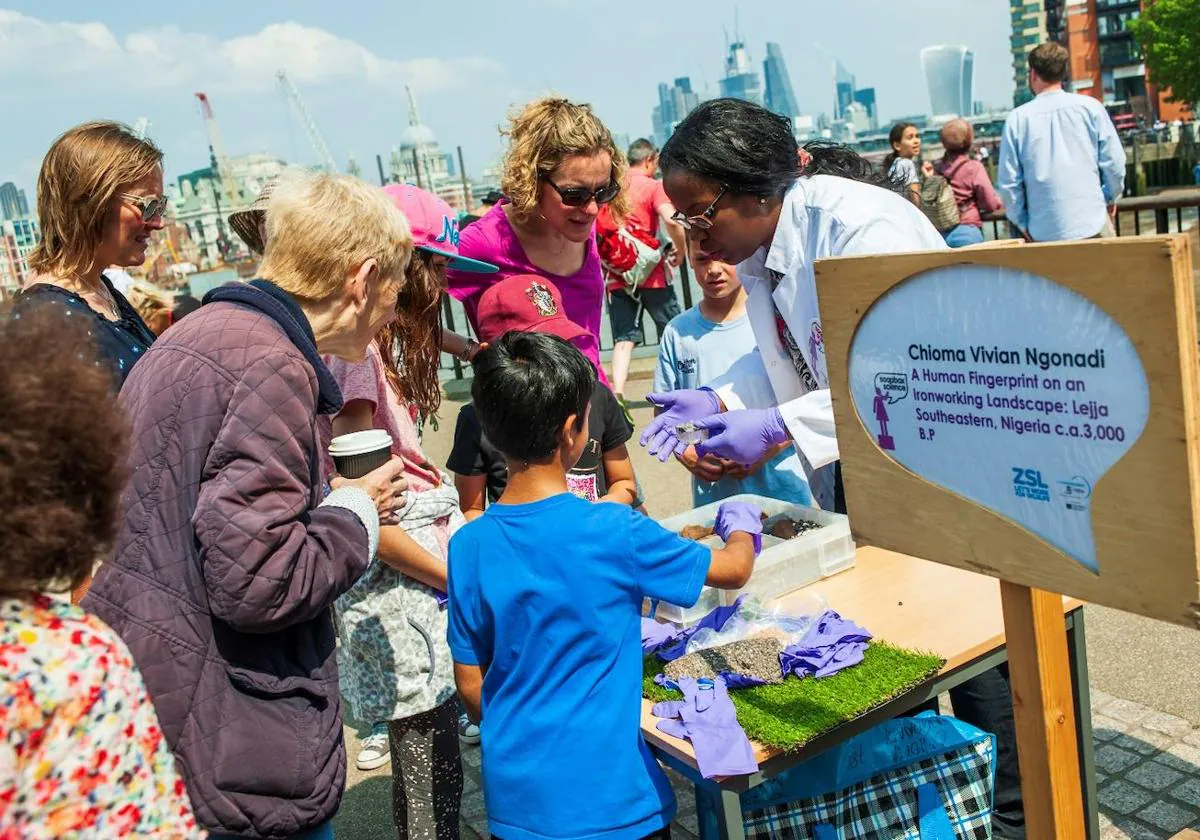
100,198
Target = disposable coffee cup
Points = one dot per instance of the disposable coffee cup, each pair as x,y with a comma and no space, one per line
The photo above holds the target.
358,453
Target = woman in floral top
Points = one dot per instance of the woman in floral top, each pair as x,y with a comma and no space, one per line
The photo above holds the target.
81,751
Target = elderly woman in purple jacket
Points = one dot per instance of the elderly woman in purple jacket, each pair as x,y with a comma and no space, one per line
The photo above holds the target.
228,559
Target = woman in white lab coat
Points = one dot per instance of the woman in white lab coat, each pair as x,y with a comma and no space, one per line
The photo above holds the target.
749,195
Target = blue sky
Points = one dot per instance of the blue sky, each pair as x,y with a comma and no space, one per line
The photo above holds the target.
66,61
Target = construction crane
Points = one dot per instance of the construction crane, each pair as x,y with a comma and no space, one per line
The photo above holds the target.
222,168
222,173
310,125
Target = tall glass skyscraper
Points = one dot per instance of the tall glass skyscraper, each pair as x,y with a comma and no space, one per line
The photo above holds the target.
674,103
740,82
950,74
779,96
843,85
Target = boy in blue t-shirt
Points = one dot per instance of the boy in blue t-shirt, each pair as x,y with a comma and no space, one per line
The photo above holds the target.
546,592
705,343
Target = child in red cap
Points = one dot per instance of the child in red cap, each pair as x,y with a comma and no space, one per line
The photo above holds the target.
529,303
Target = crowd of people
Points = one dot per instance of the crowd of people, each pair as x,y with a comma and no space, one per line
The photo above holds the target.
188,588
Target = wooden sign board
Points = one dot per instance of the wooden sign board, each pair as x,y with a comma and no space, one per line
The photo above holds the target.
1029,412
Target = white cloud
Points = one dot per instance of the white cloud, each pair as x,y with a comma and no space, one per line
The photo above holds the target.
84,54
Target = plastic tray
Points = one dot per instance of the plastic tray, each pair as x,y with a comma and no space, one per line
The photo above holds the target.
783,565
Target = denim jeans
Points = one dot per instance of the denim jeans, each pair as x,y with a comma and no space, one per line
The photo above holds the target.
963,235
324,832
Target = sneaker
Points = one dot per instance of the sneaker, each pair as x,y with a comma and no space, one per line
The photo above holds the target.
376,750
468,733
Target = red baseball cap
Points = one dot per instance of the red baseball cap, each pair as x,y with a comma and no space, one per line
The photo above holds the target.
434,225
525,302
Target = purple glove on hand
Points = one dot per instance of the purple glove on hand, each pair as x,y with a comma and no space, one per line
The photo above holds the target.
678,407
740,516
743,436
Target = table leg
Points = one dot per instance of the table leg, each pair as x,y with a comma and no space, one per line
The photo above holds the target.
1077,648
730,825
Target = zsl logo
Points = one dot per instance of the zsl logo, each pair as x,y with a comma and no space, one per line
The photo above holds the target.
1028,484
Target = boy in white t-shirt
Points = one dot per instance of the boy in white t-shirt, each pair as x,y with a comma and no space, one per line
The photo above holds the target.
702,344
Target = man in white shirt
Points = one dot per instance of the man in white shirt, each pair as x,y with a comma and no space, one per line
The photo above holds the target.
1062,166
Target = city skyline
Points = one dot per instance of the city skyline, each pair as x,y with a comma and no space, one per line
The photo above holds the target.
352,62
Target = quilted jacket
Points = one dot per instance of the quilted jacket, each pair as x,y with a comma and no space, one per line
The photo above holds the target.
225,569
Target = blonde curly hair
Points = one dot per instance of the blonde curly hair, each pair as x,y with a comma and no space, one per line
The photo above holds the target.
540,136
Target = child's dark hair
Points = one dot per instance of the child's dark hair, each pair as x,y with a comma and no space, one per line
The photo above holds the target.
526,386
894,137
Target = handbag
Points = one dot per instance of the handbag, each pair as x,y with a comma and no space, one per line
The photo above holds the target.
628,254
938,202
928,777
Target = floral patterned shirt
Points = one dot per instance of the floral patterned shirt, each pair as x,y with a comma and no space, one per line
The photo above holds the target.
81,751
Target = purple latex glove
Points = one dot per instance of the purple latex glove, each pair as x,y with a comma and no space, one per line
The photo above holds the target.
831,644
740,516
715,620
720,743
656,634
660,438
743,436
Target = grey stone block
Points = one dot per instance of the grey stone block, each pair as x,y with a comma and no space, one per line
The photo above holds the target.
1132,829
1113,759
1126,711
1105,728
1182,757
1170,818
1172,726
1100,699
1194,738
1123,798
1188,792
1139,745
1153,776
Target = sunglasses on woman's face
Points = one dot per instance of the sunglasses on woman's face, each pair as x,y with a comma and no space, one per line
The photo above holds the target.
582,196
150,207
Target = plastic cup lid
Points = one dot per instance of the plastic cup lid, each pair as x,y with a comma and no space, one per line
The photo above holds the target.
356,443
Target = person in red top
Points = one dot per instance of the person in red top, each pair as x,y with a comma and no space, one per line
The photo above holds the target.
648,205
970,183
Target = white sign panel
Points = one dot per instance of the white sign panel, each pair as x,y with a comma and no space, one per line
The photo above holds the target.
1004,388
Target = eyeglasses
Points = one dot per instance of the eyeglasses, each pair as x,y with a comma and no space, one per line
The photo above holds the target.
582,196
150,207
703,221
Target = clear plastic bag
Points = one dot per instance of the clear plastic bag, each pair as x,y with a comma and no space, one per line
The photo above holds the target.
754,618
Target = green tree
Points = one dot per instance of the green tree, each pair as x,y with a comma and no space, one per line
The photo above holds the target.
1169,32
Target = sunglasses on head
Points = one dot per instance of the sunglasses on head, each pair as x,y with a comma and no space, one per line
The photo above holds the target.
150,207
582,196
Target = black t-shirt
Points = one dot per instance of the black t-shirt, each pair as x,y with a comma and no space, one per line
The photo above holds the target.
472,454
120,344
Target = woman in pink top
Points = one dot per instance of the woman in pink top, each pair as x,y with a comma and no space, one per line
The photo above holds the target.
561,166
970,183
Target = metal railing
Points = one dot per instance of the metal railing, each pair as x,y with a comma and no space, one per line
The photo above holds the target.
1146,214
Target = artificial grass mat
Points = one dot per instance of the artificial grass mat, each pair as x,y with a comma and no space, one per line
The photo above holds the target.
790,714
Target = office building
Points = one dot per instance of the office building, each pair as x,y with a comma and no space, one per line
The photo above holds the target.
740,80
866,98
18,238
778,96
674,103
1029,28
950,74
13,204
202,206
843,90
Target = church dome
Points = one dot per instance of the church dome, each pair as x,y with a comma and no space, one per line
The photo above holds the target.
418,135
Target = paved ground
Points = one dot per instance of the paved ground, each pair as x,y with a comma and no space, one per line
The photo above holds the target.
1145,691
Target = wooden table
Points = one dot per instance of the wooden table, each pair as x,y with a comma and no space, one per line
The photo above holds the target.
916,604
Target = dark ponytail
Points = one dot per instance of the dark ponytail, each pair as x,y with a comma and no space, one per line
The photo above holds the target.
751,151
